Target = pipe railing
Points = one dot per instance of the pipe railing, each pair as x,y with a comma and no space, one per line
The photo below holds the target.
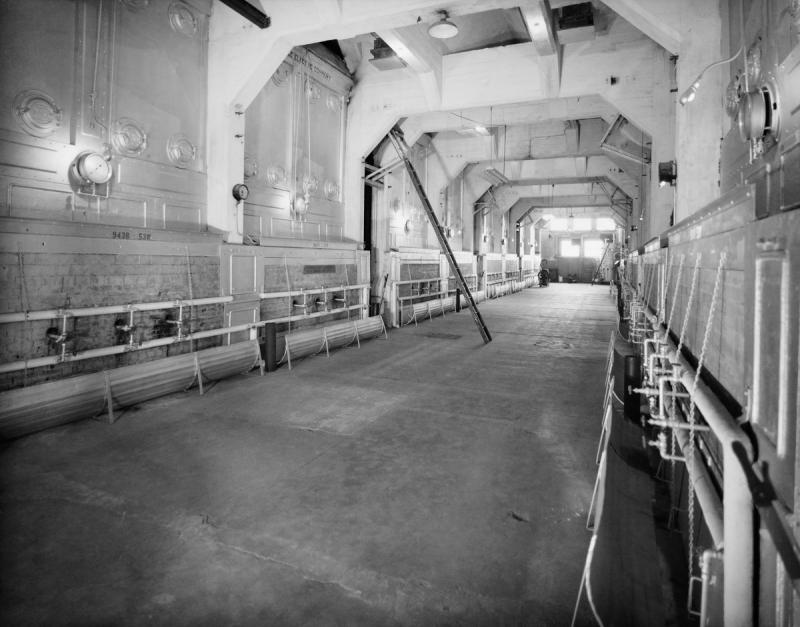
94,353
49,314
313,291
442,293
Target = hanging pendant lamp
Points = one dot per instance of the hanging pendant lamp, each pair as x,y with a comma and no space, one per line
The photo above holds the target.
444,28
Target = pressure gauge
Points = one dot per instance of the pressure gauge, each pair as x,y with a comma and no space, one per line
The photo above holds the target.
240,191
92,167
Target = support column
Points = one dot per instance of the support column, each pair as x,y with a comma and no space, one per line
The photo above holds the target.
241,59
699,124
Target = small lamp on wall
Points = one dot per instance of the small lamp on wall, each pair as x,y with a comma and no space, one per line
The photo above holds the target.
691,91
667,173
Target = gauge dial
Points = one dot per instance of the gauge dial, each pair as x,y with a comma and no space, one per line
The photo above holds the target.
93,168
240,191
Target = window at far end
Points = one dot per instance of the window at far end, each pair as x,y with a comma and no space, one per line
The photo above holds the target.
594,248
582,224
605,224
569,247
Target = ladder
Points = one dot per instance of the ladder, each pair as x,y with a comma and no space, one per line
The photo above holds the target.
600,265
399,143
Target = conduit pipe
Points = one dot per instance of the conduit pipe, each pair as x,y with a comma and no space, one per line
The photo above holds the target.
738,502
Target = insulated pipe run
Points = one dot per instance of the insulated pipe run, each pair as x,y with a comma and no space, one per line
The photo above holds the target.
704,489
738,502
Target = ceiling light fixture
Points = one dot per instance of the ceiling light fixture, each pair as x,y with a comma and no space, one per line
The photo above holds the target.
444,28
689,95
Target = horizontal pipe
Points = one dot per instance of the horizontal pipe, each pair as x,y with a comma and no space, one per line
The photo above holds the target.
427,295
49,314
94,353
501,281
316,314
431,279
316,290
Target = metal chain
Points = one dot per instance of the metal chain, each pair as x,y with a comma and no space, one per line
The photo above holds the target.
675,293
693,407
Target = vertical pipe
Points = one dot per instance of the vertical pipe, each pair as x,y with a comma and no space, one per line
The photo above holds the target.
458,300
270,347
633,379
739,544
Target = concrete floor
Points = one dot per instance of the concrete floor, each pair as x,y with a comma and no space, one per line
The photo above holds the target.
427,479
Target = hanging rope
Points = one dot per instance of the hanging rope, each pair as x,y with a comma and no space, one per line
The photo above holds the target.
689,303
650,272
693,406
288,289
93,93
675,293
24,300
662,303
191,294
307,185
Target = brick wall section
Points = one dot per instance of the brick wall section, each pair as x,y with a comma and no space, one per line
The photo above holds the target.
53,281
